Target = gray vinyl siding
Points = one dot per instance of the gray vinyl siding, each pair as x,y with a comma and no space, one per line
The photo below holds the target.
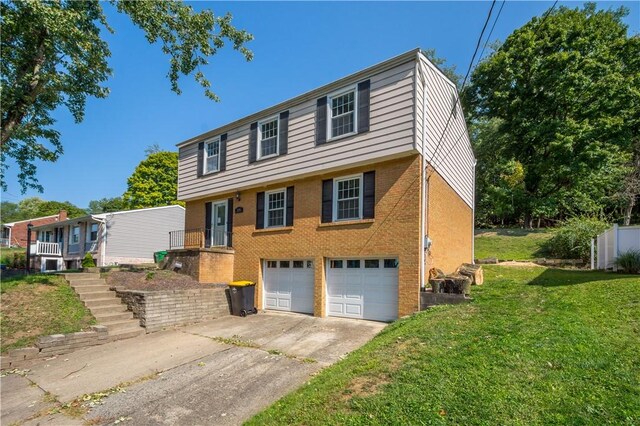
140,233
451,155
391,134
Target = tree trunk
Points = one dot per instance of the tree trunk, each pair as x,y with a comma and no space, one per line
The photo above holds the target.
528,221
628,211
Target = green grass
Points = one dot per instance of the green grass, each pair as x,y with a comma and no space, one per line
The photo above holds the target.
38,305
537,346
510,244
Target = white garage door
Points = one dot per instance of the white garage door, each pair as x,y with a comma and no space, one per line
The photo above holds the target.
363,288
288,285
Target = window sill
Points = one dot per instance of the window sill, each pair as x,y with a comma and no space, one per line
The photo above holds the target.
213,172
273,230
346,223
344,136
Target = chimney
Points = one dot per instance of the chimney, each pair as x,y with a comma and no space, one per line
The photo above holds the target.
62,215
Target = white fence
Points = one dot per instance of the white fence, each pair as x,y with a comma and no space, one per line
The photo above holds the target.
614,242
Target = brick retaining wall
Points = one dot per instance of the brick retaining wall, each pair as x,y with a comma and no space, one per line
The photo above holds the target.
159,309
55,344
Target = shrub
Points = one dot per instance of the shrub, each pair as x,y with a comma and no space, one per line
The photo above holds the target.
19,260
629,261
88,262
573,239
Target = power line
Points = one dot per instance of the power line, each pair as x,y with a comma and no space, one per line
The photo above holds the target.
544,17
491,32
464,82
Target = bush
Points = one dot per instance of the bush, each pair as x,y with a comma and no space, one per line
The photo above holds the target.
88,262
19,260
573,239
629,261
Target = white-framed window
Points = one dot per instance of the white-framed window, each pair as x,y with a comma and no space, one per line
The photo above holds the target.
347,198
268,138
212,156
92,232
275,208
74,235
342,113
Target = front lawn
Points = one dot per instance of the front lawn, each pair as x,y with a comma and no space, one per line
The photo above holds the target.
537,346
511,244
38,305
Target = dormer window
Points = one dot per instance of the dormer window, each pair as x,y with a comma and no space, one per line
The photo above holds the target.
268,138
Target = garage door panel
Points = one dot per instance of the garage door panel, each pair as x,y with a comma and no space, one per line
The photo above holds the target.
364,292
289,288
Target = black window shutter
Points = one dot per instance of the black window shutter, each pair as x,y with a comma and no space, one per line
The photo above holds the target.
260,210
230,222
363,105
289,206
223,152
283,129
207,224
253,142
321,121
368,195
327,201
200,158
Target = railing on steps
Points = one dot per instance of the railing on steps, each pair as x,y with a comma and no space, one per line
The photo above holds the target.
199,238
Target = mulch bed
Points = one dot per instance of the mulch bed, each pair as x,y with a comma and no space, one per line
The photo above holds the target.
155,280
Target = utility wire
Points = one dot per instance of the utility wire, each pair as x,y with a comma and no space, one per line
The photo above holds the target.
464,82
544,17
491,32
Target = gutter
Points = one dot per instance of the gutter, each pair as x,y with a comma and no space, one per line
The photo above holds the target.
423,180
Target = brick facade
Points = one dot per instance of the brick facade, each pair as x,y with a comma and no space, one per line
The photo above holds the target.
449,225
394,232
19,229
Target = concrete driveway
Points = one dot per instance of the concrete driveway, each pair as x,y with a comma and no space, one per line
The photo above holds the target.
221,371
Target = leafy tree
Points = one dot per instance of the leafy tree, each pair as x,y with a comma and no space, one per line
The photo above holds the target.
154,182
564,93
53,56
48,208
9,212
441,63
107,205
33,207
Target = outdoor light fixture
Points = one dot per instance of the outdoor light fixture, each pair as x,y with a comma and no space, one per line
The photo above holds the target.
238,195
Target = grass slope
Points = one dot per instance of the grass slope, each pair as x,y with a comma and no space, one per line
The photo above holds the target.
537,346
510,244
38,305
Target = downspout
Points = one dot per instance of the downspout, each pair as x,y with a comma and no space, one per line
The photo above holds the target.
423,170
473,215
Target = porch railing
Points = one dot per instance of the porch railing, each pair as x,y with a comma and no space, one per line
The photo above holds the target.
50,249
198,238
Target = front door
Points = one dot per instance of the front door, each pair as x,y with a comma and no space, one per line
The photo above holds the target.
219,224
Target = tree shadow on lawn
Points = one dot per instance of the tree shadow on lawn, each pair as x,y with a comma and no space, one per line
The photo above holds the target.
510,232
564,277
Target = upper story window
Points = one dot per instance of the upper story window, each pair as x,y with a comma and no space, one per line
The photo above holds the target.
268,138
275,208
342,113
347,198
74,236
92,234
212,156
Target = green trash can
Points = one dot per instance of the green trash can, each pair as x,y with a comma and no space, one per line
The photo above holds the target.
159,255
242,298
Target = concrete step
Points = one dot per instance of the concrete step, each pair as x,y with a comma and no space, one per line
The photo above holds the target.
121,325
126,333
106,301
98,295
80,276
81,289
87,282
114,307
104,317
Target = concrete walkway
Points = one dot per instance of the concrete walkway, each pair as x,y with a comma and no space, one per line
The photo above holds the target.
190,375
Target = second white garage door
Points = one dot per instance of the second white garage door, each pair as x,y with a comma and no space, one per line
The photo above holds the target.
363,288
288,285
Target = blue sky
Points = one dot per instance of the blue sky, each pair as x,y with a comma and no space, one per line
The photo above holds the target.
298,46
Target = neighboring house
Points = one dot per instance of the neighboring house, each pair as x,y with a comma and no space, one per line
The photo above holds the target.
14,234
338,201
131,236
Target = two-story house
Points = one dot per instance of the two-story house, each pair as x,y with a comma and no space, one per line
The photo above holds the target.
338,201
130,236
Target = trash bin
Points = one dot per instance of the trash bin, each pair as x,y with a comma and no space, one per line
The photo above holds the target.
242,298
159,255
